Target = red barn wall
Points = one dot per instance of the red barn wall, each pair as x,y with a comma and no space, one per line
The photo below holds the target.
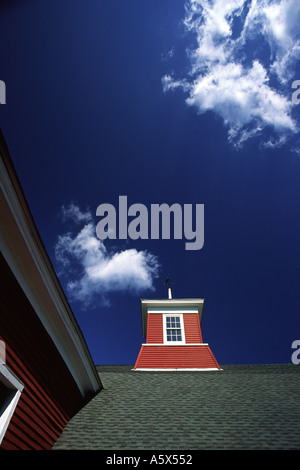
156,355
192,328
50,396
155,328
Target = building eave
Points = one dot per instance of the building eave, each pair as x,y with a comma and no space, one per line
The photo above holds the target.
24,251
193,303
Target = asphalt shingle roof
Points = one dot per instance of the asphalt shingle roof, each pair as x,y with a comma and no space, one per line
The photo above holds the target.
241,407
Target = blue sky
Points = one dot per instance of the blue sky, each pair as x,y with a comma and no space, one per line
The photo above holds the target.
164,101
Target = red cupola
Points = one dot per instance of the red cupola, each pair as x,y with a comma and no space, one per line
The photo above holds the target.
172,328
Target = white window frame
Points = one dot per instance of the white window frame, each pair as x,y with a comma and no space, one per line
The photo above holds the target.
169,314
14,389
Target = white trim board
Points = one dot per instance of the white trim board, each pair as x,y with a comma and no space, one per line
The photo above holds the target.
165,316
172,310
173,344
184,369
14,389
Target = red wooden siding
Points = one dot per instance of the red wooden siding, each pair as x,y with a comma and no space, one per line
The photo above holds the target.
155,328
50,396
38,420
192,328
173,357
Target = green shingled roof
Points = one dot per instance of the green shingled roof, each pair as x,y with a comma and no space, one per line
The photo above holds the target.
241,407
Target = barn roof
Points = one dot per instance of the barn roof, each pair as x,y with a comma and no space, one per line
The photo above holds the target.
243,407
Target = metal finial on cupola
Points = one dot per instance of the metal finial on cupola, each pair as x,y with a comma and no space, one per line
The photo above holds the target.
169,283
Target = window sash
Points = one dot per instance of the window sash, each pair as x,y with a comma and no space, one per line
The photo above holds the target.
11,389
173,329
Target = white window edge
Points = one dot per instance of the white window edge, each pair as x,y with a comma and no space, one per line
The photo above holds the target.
15,388
175,343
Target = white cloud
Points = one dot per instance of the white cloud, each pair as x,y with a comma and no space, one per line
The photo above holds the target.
95,272
225,75
279,23
72,211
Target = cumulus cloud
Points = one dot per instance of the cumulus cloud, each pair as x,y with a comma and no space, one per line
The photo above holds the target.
92,271
241,47
73,213
279,23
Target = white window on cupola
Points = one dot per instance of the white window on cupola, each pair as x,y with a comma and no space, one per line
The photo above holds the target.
173,329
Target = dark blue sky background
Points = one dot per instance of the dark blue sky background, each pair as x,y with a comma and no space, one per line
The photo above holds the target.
87,120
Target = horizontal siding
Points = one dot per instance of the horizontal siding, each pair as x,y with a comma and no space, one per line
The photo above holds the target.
50,396
154,328
192,328
37,421
176,357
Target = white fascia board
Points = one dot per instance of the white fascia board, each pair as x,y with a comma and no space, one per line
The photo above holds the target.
203,369
174,343
24,252
175,310
172,302
193,305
